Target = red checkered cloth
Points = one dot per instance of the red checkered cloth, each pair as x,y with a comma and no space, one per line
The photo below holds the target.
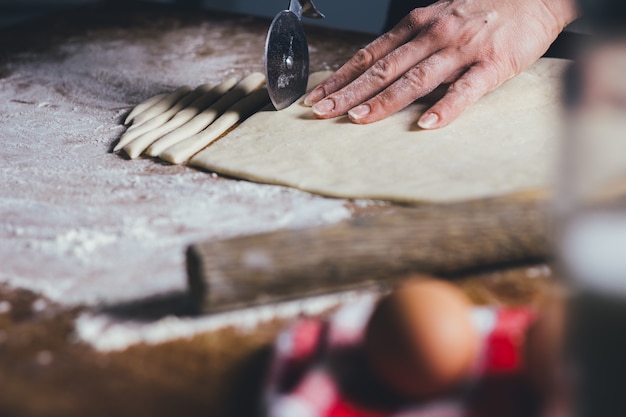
319,370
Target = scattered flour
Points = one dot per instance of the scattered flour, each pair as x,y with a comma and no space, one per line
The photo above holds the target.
108,334
83,226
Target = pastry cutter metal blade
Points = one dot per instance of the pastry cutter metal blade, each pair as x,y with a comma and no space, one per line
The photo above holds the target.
287,54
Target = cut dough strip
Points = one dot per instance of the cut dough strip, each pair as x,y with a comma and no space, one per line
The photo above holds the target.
184,150
138,145
140,108
201,121
136,131
162,106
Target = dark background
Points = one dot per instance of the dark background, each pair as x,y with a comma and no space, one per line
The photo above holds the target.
358,15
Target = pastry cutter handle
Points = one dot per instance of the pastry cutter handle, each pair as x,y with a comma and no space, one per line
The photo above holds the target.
305,8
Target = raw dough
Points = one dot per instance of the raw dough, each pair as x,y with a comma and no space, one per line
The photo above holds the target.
143,107
183,150
503,144
207,97
144,114
157,121
161,107
249,84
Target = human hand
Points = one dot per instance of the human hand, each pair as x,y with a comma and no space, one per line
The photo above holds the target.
473,45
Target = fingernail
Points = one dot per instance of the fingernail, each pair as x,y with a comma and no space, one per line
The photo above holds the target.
314,96
323,107
428,121
359,112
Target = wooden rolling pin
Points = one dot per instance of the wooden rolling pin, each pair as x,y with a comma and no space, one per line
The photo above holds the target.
366,250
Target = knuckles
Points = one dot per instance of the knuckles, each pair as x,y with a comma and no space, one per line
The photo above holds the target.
384,71
444,27
362,60
416,78
462,87
415,18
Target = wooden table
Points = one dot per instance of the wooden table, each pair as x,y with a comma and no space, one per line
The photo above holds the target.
44,369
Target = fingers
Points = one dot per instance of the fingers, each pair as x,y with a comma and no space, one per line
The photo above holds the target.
477,81
406,30
414,83
472,44
466,90
378,77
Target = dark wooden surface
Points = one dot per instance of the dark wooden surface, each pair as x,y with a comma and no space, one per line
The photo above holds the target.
44,371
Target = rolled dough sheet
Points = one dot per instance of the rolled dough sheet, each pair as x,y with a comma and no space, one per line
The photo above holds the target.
504,143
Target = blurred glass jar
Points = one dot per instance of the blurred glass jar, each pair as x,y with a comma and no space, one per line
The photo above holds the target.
592,193
591,225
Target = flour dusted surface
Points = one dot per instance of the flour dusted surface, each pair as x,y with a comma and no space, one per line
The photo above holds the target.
84,226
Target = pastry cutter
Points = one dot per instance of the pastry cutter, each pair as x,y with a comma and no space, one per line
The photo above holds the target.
287,53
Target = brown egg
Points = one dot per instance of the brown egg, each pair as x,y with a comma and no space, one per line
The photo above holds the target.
420,340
